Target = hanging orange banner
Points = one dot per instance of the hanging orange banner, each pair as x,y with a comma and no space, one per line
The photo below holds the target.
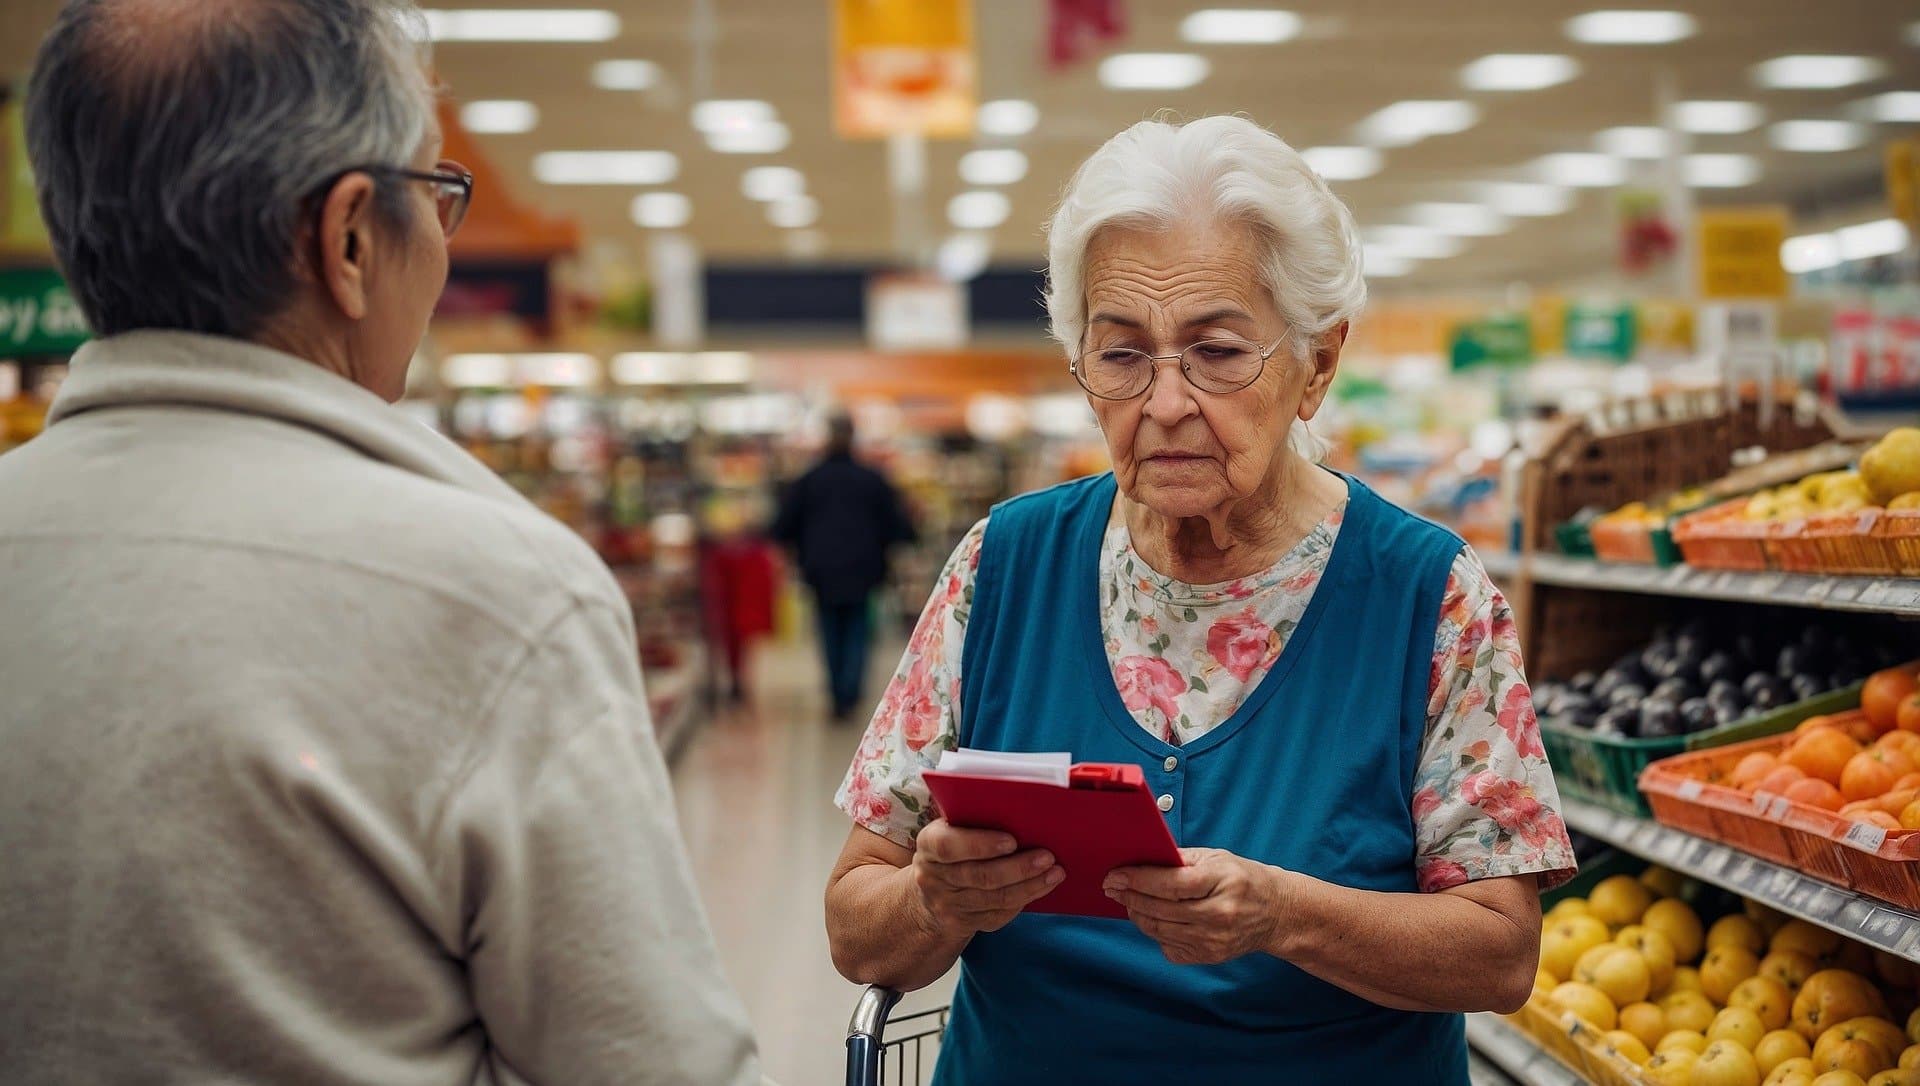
904,66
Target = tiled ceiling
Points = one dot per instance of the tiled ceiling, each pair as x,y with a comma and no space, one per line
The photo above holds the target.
1352,58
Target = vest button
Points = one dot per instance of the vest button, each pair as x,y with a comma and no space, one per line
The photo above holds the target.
1166,803
1171,763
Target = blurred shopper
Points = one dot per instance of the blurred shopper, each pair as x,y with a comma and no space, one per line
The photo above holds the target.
326,755
739,578
840,518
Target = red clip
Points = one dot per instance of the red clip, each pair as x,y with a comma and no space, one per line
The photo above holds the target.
1106,776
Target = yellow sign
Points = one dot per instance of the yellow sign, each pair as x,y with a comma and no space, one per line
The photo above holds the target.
1903,180
904,66
20,224
1739,252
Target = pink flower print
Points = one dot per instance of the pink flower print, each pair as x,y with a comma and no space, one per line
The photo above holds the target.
1518,721
1149,627
1503,627
1239,590
1471,702
1241,643
1302,581
869,808
1437,874
917,715
1471,638
1512,807
1425,802
1150,682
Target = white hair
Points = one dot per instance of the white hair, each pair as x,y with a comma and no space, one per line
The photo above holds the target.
1158,174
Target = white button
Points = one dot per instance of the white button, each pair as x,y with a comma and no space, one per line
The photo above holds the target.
1172,763
1166,803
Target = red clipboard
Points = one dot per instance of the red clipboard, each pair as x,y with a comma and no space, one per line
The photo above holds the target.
1105,818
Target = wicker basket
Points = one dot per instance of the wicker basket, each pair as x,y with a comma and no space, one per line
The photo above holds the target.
1898,531
1720,537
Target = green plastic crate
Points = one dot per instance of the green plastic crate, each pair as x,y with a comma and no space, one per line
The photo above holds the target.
1574,539
1605,770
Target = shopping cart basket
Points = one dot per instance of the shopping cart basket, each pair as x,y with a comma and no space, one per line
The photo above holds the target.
873,1059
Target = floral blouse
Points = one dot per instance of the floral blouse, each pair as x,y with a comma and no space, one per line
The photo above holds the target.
1185,656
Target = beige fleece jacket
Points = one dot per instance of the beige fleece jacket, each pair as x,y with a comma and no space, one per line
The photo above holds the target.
323,756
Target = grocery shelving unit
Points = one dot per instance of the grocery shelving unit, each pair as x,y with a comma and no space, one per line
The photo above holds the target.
1515,1055
1875,595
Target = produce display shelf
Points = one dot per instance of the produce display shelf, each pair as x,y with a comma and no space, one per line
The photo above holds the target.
674,697
1878,595
1516,1054
1856,916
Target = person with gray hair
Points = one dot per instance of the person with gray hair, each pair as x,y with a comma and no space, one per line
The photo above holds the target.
327,755
1324,692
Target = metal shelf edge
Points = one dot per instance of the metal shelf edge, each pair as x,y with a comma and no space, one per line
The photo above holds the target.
1876,595
1516,1054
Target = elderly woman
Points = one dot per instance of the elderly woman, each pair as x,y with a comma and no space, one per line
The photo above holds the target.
1323,690
326,754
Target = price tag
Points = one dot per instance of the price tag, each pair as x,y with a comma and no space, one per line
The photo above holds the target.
1691,788
1895,595
1765,584
1777,809
1827,902
1760,801
1669,846
1884,926
1782,884
1707,859
1676,576
1866,836
1743,871
1819,589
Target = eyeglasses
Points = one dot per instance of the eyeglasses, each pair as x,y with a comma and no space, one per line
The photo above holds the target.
1211,365
452,188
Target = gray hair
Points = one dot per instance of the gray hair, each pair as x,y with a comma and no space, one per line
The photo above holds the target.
177,147
1158,174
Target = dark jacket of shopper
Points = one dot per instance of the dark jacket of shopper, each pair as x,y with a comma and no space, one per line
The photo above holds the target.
840,518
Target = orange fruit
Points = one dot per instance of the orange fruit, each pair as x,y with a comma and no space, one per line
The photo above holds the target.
1815,793
1823,753
1757,765
1880,699
1813,722
1910,816
1907,718
1873,772
1881,819
1778,780
1900,739
1911,780
1859,807
1895,801
1833,996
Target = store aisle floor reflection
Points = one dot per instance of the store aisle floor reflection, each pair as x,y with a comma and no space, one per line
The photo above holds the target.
755,789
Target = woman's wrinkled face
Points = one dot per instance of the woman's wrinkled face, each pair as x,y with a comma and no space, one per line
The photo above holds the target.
1176,449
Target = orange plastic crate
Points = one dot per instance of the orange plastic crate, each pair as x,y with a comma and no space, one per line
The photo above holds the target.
1718,537
1898,531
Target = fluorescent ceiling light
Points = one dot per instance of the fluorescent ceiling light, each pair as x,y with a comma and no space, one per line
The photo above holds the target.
1633,141
1459,220
1817,136
625,75
1378,263
477,371
1153,71
1007,117
963,256
661,210
722,368
993,166
605,167
557,369
1240,26
766,183
732,114
1719,171
670,368
1412,242
1405,123
1343,163
1809,253
794,212
766,139
559,24
1882,237
499,116
1630,27
1821,72
978,210
1525,198
1717,118
1581,169
1519,71
1893,107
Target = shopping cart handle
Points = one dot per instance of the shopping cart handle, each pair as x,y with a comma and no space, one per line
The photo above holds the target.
864,1034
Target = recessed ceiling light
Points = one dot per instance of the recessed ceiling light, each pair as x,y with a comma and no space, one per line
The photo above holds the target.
1913,32
1882,237
1809,253
764,139
1379,263
605,167
766,183
1817,136
1519,71
560,24
1719,171
1717,118
1633,141
1153,71
993,166
794,212
1893,107
732,114
1581,169
1630,27
1404,123
1007,117
1459,220
1526,198
963,256
1817,72
1343,163
499,116
978,210
625,75
1240,26
661,210
1412,242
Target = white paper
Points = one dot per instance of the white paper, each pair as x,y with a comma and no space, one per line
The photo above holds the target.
1049,767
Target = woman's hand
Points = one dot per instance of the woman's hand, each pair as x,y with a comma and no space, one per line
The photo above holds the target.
1217,908
972,880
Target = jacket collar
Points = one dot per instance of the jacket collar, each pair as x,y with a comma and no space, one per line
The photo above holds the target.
185,369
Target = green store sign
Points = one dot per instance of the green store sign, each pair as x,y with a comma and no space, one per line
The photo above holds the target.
1503,340
1600,331
38,315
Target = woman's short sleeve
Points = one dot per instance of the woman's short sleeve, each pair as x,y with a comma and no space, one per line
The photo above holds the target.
1484,801
919,715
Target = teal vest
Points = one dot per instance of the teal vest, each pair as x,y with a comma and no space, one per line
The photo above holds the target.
1314,773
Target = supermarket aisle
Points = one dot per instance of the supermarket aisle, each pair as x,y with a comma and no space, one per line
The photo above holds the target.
755,790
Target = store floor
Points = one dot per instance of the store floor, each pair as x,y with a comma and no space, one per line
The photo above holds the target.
755,788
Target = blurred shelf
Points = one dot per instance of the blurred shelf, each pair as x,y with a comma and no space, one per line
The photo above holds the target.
1501,565
1879,595
674,698
1515,1054
1853,915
